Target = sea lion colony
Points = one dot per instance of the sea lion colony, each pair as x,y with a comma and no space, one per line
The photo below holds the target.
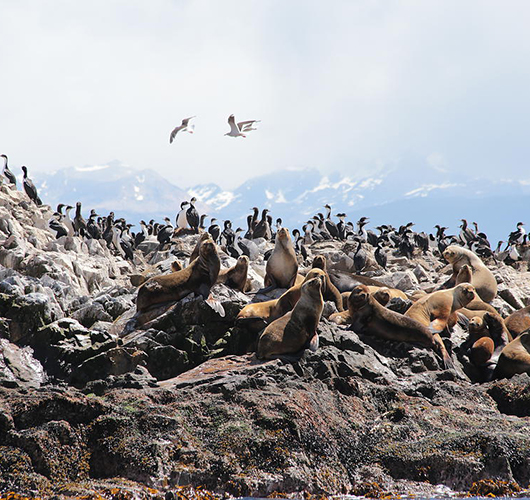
288,324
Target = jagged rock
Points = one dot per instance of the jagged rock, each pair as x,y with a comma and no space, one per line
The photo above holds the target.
115,361
18,367
92,312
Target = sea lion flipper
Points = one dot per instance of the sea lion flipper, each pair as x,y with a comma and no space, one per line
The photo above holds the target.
216,306
313,343
439,347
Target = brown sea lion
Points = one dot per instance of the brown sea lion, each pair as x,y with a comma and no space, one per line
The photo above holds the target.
383,295
518,321
482,278
270,310
195,252
282,267
296,329
437,309
345,282
369,317
491,326
514,358
481,351
236,276
198,277
464,276
330,290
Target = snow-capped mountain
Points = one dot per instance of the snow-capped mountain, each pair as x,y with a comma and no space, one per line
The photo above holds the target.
415,192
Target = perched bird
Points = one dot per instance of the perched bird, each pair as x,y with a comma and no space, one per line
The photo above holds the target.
237,129
517,236
192,216
181,219
214,230
380,255
184,126
164,233
92,228
9,175
30,188
56,224
79,221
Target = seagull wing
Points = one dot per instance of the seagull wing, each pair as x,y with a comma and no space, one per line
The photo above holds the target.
234,129
247,125
174,133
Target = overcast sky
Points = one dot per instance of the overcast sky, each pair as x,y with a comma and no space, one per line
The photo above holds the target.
340,85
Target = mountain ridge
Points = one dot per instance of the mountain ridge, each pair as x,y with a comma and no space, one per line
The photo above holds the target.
392,195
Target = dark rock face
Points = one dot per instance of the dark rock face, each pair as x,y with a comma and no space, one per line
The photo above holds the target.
94,398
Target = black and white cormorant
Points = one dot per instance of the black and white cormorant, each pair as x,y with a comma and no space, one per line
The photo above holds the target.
56,224
214,230
263,228
517,236
181,219
331,227
192,216
8,174
30,188
79,221
380,255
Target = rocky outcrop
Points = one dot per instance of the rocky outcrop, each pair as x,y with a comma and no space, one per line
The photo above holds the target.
94,400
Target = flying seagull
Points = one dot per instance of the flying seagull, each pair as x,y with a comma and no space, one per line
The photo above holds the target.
236,130
184,127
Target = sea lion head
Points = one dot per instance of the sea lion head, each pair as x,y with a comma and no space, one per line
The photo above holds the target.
209,259
319,262
382,296
207,248
242,262
313,287
464,293
317,273
359,296
452,253
475,324
465,274
283,236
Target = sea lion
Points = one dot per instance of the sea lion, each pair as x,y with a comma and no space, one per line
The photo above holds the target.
488,336
464,276
481,351
482,278
296,329
236,276
270,310
345,282
330,290
437,309
198,277
369,317
383,295
282,267
514,358
195,252
518,321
